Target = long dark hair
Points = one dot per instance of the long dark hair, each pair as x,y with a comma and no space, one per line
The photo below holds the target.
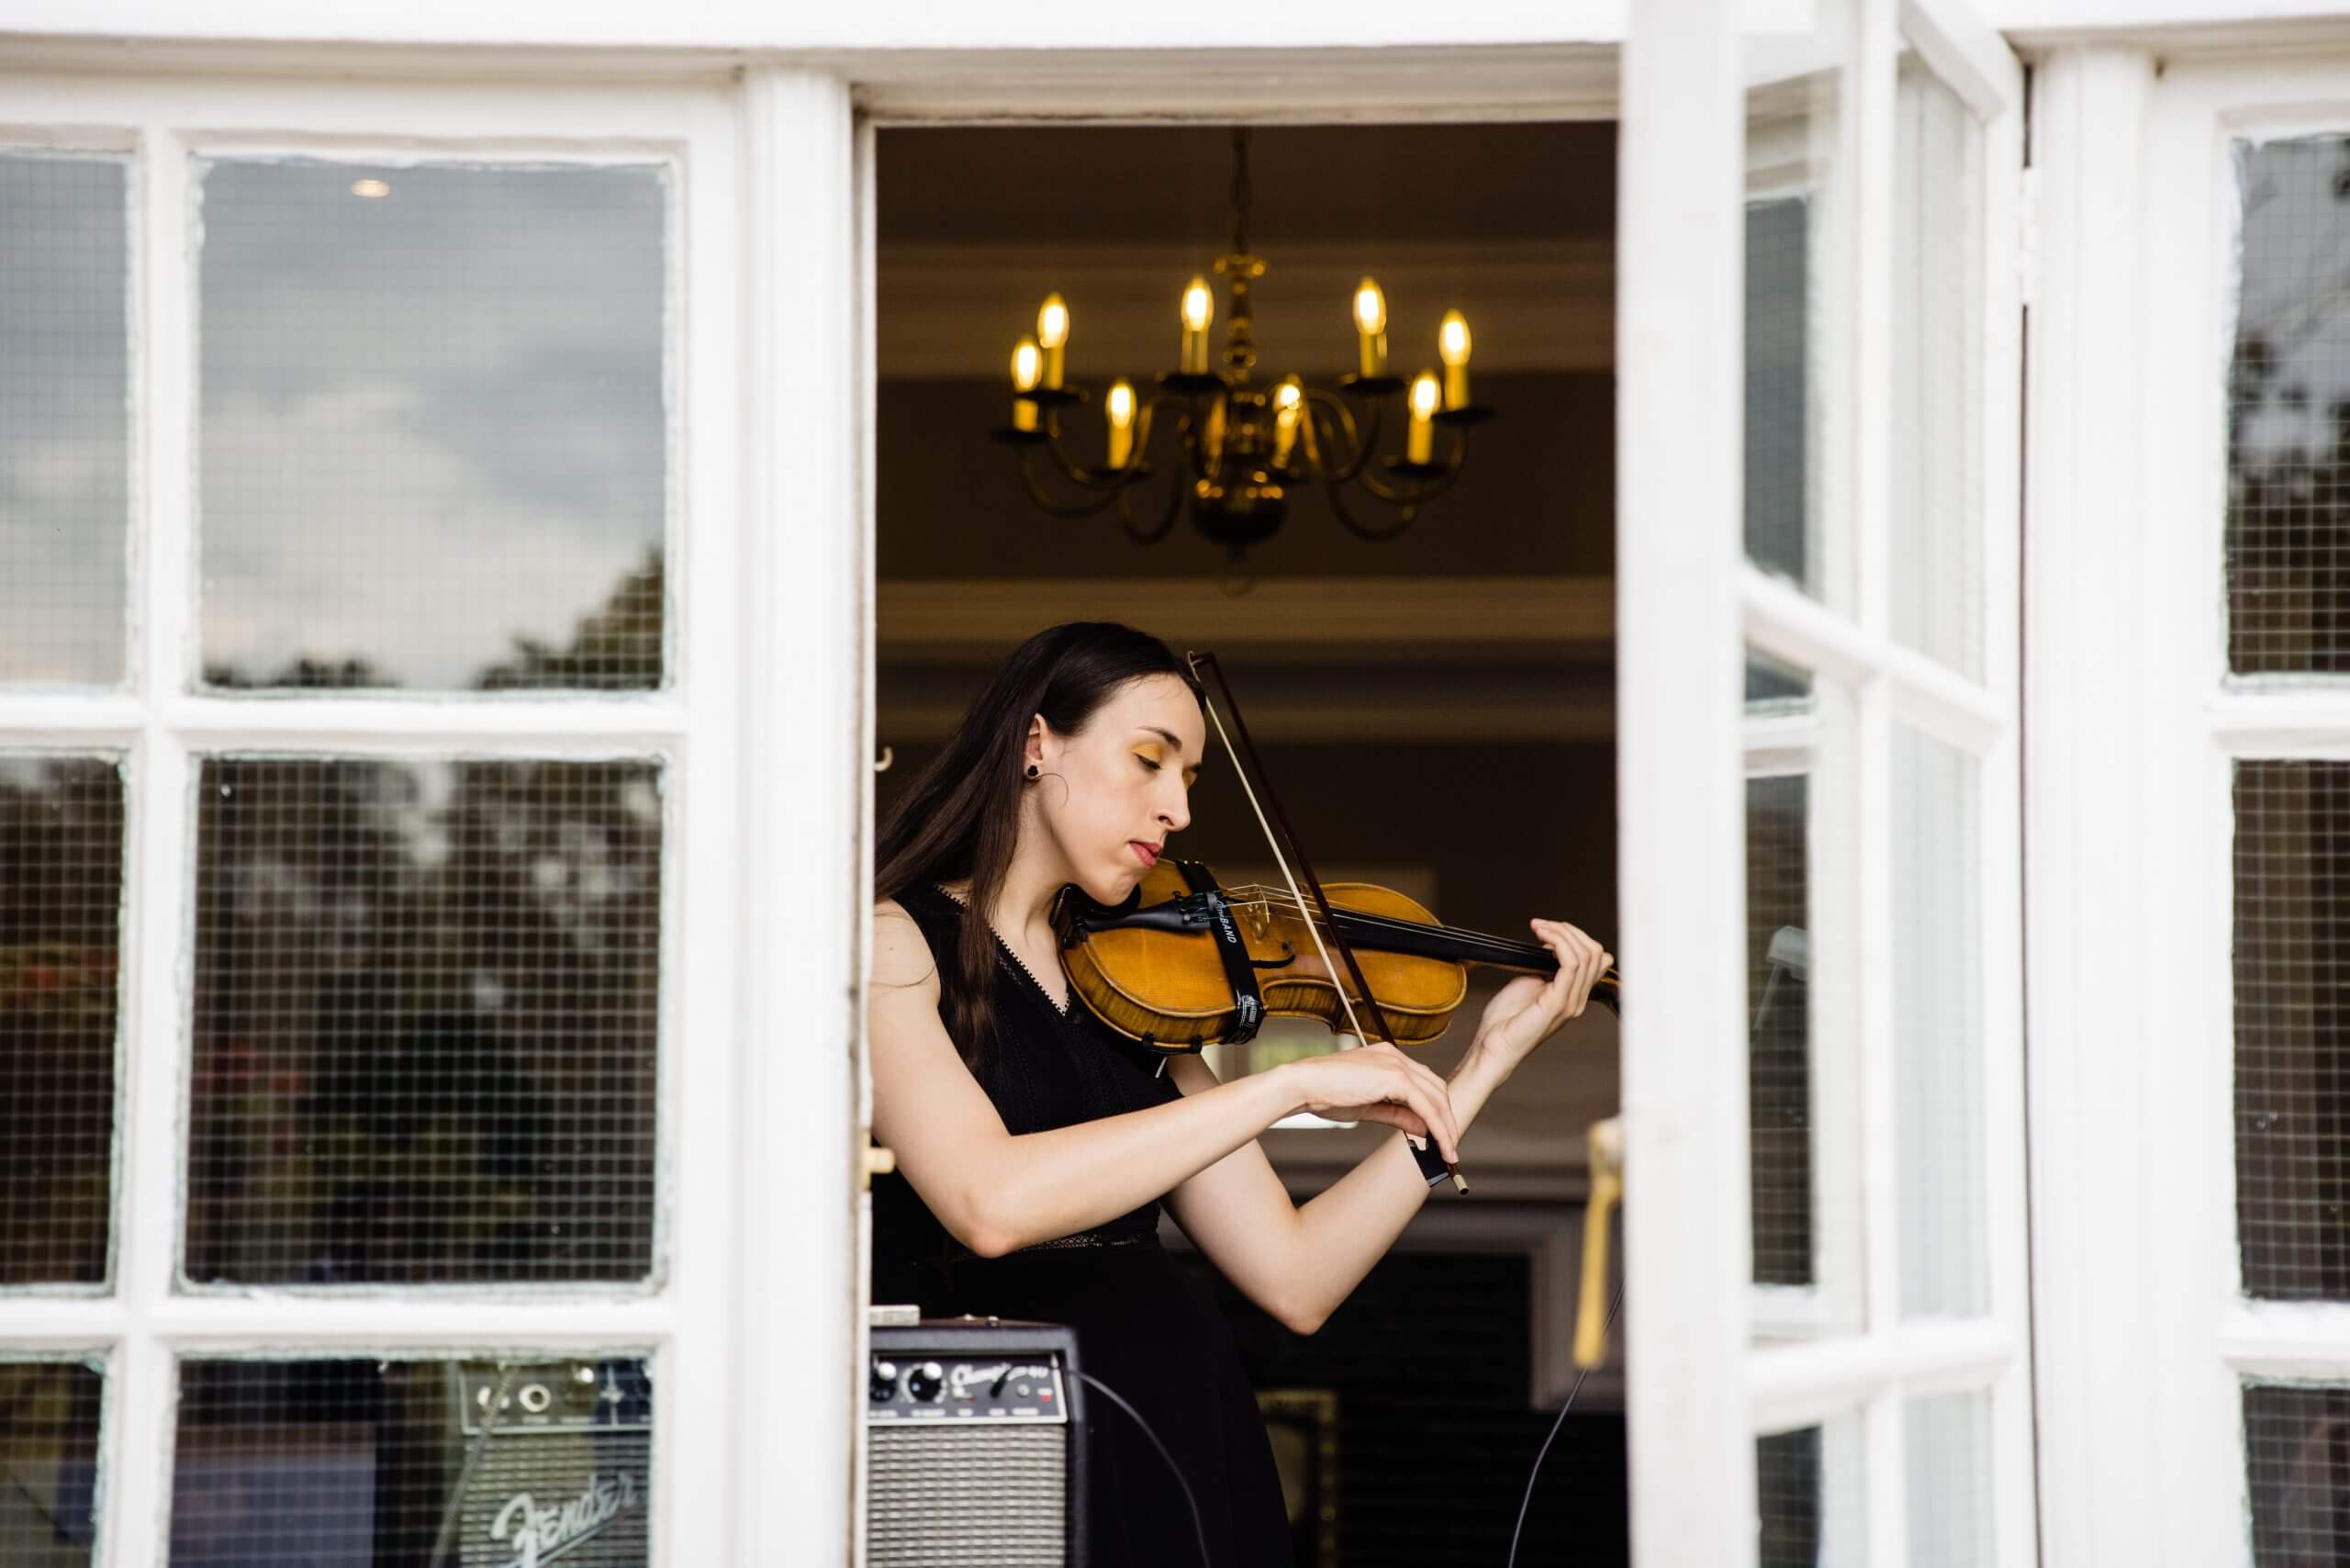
959,818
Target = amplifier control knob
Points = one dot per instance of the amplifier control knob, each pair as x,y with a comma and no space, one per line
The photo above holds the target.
882,1385
925,1381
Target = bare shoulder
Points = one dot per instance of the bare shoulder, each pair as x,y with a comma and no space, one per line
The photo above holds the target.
903,961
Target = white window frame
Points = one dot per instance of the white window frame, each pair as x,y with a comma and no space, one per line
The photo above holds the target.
781,460
765,439
2144,1333
1685,1102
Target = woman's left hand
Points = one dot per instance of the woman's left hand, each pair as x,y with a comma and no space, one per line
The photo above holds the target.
1527,1011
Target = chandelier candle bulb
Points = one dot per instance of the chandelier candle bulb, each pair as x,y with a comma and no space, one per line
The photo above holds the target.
1288,401
1052,336
1027,369
1371,327
1419,445
1452,344
1121,408
1199,309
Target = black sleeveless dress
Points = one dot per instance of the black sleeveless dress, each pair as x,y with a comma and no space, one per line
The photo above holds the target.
1146,1326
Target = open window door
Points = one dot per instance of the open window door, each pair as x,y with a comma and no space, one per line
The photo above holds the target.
1819,348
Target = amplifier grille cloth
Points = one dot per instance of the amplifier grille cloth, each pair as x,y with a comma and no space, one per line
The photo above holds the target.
993,1495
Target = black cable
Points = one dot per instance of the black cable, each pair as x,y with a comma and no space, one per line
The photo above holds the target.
1198,1528
1529,1500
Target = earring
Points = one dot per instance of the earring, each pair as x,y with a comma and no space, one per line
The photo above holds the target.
1032,770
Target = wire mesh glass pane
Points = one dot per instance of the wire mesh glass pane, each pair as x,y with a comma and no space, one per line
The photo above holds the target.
1807,1495
1935,539
435,424
1793,207
2289,411
1937,1026
64,415
474,1463
60,936
49,1463
1778,971
1947,1439
2292,1082
2297,1458
426,1021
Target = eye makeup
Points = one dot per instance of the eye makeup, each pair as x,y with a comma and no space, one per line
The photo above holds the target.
1155,755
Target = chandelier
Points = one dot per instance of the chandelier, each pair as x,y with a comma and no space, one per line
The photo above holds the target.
1239,443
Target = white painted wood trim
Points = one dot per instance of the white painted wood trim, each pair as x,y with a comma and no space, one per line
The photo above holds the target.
1791,626
1790,1386
686,1326
865,175
805,736
1681,860
2140,1455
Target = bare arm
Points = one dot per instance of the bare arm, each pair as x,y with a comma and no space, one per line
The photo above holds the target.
993,1192
1299,1264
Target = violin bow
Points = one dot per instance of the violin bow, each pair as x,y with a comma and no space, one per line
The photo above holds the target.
1432,1164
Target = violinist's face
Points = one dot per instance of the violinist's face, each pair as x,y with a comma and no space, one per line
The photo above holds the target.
1126,777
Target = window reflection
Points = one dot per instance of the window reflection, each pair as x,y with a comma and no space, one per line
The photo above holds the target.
2288,412
433,425
61,923
65,417
426,1021
481,1463
49,1463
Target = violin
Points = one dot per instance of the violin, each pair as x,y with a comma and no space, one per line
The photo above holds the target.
1185,962
1181,964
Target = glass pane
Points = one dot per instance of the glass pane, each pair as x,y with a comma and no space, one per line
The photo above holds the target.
1948,1440
60,935
476,1465
2297,1456
1938,1049
1795,204
2292,1093
64,415
426,1021
433,424
1778,973
1935,595
2289,411
49,1463
1807,1495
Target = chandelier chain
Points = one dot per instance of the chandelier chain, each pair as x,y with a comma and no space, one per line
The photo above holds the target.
1244,192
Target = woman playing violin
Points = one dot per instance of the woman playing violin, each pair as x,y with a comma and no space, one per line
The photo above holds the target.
1037,1146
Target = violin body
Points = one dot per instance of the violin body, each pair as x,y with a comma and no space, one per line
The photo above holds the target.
1163,967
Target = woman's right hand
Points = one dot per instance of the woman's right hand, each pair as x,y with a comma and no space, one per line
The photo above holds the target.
1376,1083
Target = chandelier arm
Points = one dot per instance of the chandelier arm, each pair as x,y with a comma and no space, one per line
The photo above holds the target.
1361,440
1157,530
1419,492
1103,479
1073,510
1337,494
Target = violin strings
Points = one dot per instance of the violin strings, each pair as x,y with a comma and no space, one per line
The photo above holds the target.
1274,898
1272,839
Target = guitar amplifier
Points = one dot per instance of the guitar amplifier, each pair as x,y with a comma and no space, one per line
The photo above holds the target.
975,1445
551,1459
